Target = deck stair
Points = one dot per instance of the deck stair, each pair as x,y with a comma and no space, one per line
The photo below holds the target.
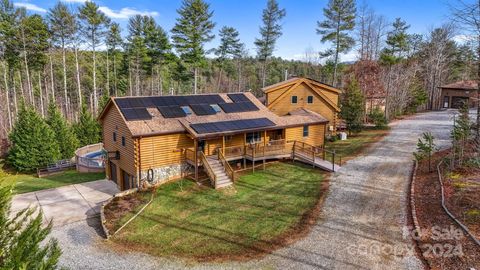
221,178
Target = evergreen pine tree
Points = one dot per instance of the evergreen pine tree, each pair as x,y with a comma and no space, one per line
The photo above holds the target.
114,43
87,129
352,107
33,142
270,31
23,242
339,20
63,27
66,138
230,46
93,25
397,43
192,30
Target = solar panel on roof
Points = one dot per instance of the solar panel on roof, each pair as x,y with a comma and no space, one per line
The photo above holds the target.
202,109
135,103
133,114
171,111
148,102
239,97
223,126
238,107
122,103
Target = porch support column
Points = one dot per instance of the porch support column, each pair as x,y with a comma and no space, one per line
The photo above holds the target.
264,146
244,150
195,147
223,145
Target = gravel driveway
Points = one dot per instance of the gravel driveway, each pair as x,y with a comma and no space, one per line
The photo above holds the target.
361,223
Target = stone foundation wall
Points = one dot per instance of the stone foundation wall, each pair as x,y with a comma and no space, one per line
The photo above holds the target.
167,173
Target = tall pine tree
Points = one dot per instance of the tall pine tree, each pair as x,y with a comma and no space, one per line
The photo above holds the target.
114,43
33,142
192,30
270,31
94,25
66,138
63,28
339,21
230,47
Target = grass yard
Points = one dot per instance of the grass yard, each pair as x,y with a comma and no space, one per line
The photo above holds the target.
29,182
266,210
355,144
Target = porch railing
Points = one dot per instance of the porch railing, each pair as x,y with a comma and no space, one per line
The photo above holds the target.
228,169
310,152
233,151
208,169
273,148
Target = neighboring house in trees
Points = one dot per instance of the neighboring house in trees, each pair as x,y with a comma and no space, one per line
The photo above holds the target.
304,95
456,94
160,138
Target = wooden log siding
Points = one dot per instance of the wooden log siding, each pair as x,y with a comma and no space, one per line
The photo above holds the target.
114,122
316,134
302,91
164,150
284,106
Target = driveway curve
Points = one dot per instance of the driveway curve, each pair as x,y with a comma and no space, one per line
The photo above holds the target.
360,227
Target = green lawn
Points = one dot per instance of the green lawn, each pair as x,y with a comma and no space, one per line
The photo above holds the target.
29,182
355,144
196,222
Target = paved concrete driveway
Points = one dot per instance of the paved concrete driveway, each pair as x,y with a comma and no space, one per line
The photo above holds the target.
69,203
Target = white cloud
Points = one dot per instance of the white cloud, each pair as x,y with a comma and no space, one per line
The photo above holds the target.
125,13
463,38
30,6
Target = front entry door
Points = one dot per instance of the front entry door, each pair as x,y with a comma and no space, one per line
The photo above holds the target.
126,181
201,146
113,172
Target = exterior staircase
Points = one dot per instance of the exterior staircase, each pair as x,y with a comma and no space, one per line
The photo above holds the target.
222,179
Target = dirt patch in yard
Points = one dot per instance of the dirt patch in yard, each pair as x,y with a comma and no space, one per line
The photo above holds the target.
119,207
442,242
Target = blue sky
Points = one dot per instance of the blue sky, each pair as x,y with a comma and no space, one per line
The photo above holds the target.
245,15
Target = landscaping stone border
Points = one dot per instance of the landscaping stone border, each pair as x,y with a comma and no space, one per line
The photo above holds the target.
102,209
412,197
465,228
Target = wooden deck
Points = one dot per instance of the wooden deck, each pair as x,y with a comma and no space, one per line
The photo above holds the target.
280,149
317,162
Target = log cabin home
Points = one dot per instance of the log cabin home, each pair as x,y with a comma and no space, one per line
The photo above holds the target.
154,139
289,96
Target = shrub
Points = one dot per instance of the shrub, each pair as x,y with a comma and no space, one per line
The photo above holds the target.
33,142
378,118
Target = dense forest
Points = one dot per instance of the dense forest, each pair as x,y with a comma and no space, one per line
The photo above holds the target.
70,61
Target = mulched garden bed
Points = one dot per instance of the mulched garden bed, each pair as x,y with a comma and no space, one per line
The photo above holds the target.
442,243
